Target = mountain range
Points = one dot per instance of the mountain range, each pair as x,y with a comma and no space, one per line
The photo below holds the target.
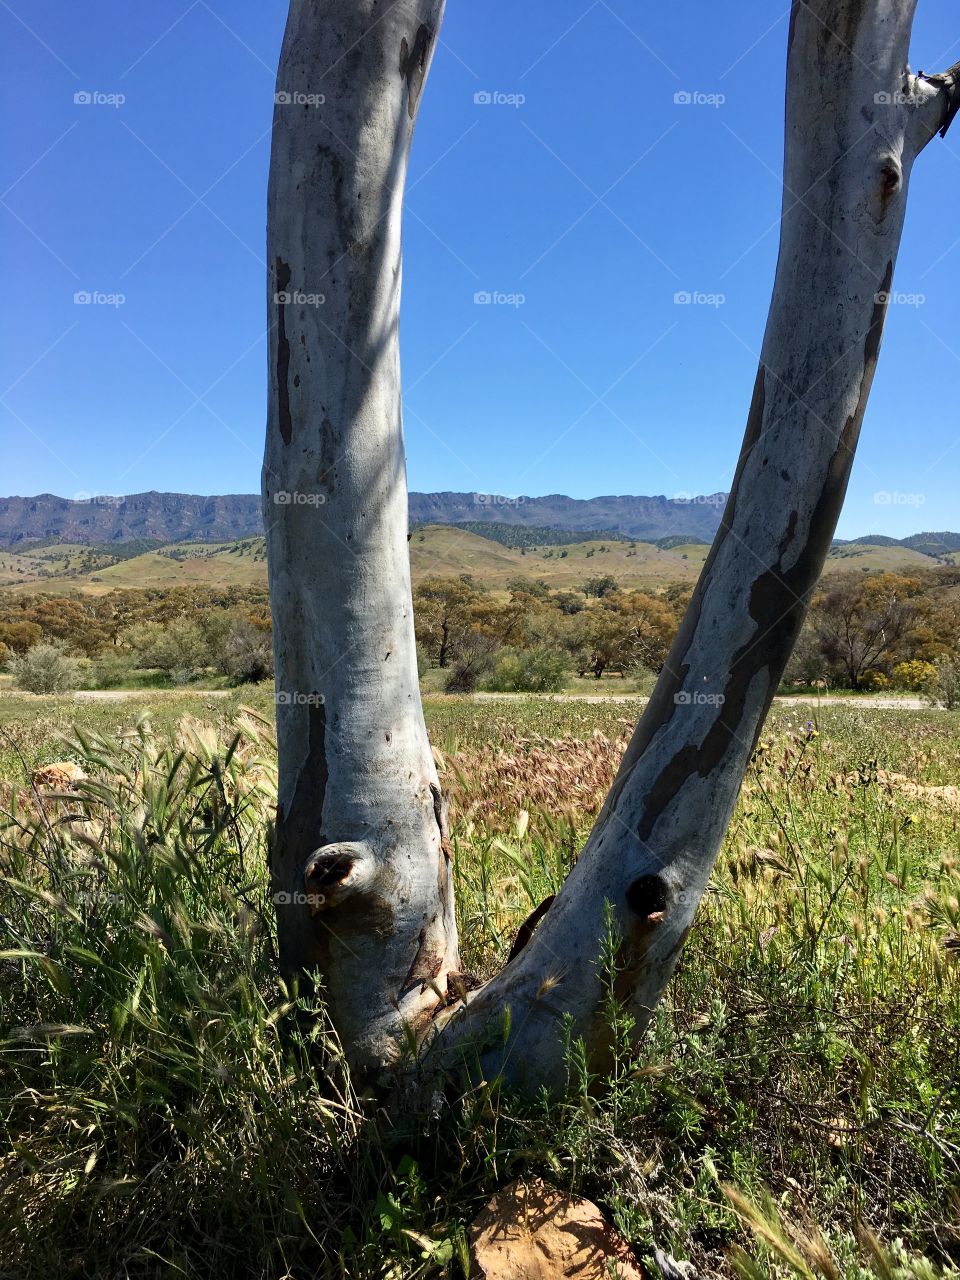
165,518
181,517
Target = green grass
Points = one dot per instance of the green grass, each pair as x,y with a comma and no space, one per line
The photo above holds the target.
162,1111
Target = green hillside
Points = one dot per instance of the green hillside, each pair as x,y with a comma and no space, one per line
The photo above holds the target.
435,550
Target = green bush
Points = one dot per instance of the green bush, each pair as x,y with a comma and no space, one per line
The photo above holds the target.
528,671
246,653
945,686
180,649
45,669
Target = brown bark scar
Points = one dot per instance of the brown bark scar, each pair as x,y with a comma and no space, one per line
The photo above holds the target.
413,65
285,418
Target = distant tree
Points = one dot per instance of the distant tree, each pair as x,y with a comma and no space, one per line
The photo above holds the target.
179,648
20,636
442,615
45,668
601,586
859,624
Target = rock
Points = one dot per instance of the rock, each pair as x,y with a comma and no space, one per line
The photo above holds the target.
671,1269
57,777
530,1231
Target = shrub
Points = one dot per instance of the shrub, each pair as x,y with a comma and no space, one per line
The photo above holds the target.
111,670
246,653
44,669
528,671
915,676
5,655
944,690
874,681
180,648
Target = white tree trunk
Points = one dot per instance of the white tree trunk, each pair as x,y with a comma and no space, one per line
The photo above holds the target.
855,121
359,824
359,827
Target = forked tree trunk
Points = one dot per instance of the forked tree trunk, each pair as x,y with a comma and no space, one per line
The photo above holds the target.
359,819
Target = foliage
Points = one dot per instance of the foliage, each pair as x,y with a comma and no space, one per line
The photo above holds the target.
246,653
914,675
528,671
44,669
164,1112
945,686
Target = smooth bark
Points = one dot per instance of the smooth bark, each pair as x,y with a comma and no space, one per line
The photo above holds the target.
855,121
360,862
360,822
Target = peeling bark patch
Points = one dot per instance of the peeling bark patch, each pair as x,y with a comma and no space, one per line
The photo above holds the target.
413,66
647,898
298,832
426,966
283,278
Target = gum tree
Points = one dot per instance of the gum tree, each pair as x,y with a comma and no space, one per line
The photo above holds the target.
361,862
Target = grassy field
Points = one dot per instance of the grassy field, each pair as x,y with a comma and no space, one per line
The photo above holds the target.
795,1109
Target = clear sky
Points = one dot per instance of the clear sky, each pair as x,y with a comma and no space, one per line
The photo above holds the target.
583,192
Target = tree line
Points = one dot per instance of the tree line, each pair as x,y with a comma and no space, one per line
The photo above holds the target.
867,632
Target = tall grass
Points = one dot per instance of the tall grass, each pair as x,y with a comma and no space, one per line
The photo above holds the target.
163,1110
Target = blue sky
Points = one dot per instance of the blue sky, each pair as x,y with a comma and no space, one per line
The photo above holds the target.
583,187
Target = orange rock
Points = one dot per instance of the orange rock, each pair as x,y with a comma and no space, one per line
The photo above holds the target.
530,1231
58,777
